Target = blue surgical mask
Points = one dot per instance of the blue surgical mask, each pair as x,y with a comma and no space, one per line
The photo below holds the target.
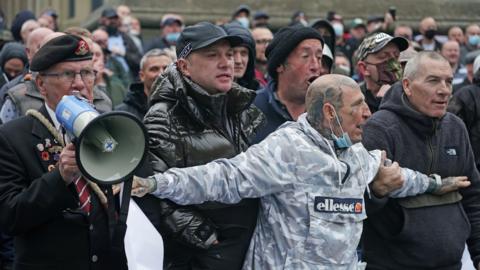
244,22
338,28
343,141
474,40
172,37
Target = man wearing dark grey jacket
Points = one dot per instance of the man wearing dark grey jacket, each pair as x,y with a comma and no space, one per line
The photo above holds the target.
413,127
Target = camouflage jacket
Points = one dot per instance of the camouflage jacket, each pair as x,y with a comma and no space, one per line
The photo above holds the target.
312,205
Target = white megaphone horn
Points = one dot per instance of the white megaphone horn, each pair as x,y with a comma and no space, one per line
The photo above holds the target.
109,147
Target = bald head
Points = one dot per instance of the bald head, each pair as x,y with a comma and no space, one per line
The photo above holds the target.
27,29
34,40
427,24
50,37
326,89
100,36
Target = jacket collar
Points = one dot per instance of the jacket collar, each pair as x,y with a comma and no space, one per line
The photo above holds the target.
275,102
195,100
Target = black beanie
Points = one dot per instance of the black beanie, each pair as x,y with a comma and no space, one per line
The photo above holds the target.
18,21
284,42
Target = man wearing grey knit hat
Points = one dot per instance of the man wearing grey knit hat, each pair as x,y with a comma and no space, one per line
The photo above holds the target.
293,62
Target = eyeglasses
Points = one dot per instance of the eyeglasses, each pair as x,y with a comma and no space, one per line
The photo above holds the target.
68,76
263,41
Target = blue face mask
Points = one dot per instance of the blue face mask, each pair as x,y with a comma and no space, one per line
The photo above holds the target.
172,37
343,141
338,28
244,22
473,40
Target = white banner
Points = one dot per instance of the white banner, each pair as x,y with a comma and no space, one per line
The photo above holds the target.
143,243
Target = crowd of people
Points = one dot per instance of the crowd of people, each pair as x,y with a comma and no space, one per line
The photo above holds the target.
320,145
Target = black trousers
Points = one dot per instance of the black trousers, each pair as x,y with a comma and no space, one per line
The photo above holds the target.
229,253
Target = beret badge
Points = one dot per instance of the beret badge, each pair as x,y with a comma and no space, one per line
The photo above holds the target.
82,48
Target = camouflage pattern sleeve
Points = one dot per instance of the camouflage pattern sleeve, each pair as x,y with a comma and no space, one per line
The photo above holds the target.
265,168
415,182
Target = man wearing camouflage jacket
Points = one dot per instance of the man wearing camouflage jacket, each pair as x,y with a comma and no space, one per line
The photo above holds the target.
311,181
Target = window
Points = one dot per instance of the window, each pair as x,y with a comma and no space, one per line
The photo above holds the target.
96,4
71,8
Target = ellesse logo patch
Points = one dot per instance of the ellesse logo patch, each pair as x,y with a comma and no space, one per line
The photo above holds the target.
338,205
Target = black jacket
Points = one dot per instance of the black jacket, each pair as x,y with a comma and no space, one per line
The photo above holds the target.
135,101
425,231
275,112
466,105
41,212
372,101
189,127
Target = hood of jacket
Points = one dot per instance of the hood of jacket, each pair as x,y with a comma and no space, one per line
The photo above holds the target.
173,87
235,29
396,101
13,50
136,97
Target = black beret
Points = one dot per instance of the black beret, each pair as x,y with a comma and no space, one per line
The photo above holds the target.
284,42
64,48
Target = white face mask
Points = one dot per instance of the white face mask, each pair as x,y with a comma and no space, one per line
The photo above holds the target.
338,28
244,22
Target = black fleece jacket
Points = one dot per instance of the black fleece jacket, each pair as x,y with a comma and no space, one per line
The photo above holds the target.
426,231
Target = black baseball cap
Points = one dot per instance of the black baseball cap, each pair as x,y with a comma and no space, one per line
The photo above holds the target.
261,15
109,13
202,35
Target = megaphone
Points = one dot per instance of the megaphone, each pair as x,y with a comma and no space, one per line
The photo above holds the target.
109,147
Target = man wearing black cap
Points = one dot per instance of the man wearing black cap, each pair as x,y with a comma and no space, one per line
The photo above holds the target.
294,61
39,177
242,15
120,44
260,19
199,114
377,62
171,26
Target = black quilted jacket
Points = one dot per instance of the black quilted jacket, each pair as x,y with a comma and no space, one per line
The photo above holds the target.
189,127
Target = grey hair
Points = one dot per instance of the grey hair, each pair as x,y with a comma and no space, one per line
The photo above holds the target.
326,91
413,66
153,53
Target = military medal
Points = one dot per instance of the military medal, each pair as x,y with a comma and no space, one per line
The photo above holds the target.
45,155
40,147
51,167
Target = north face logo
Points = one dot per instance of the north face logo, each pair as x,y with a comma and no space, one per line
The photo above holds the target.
451,151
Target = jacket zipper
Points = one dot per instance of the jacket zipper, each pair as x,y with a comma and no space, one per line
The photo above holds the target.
431,148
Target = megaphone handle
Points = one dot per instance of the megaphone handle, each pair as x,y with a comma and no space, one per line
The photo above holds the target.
118,224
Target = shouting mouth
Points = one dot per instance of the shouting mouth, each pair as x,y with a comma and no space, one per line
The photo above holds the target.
311,79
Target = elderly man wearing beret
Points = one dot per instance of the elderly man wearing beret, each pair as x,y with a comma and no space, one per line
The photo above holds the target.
59,220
